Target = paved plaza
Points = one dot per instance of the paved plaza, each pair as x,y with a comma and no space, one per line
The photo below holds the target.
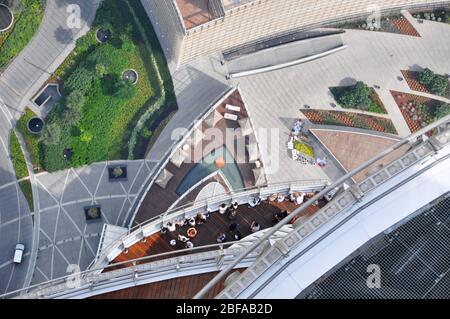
65,237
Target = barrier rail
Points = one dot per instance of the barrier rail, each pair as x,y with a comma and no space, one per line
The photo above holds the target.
155,224
186,260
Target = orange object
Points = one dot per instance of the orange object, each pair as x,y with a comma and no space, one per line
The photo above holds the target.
220,162
192,232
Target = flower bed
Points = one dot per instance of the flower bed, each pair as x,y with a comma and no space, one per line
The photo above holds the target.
27,18
304,148
395,23
413,79
339,118
419,111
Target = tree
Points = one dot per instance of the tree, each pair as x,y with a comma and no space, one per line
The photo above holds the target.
74,104
442,111
426,77
124,90
101,70
436,83
51,134
439,85
80,80
357,96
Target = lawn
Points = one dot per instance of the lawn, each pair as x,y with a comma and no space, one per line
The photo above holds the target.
26,22
101,116
17,157
20,168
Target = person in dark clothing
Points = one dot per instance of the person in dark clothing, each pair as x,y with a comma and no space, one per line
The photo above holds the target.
237,235
233,227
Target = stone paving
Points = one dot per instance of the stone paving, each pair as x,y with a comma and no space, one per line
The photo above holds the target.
65,237
54,40
275,98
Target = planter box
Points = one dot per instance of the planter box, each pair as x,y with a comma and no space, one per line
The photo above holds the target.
117,173
93,213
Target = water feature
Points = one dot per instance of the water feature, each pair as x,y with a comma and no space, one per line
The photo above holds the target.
208,166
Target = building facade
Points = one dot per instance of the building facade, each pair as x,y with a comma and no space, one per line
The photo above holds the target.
188,29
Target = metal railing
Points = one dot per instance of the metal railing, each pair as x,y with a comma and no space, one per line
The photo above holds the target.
190,209
214,255
339,204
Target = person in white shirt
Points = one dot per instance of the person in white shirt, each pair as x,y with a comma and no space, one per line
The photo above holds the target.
222,209
183,239
171,227
189,245
255,227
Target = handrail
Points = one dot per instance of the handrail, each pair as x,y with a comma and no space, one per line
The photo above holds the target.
301,209
192,208
136,262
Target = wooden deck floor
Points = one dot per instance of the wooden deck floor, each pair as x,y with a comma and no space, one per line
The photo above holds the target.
207,233
158,200
177,288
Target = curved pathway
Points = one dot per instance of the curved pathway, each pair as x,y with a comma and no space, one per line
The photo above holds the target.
26,74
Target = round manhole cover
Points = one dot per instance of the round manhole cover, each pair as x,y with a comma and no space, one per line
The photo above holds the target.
6,18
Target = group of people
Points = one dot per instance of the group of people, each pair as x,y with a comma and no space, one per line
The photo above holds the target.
235,233
231,210
191,222
297,127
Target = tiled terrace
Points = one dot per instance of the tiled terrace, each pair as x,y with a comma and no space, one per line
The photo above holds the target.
352,149
194,12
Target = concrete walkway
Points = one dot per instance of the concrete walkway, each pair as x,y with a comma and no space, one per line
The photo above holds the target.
47,50
18,84
373,57
65,236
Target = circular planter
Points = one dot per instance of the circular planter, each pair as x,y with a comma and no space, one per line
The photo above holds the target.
35,125
131,76
6,18
103,35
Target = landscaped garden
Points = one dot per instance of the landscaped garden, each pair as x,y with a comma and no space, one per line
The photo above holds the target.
419,111
438,15
394,23
358,96
31,140
114,89
27,18
355,120
428,81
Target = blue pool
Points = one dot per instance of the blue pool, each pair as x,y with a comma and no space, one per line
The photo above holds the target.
207,166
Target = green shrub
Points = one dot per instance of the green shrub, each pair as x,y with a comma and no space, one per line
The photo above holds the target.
436,83
31,140
26,24
111,107
358,96
51,134
17,157
443,111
